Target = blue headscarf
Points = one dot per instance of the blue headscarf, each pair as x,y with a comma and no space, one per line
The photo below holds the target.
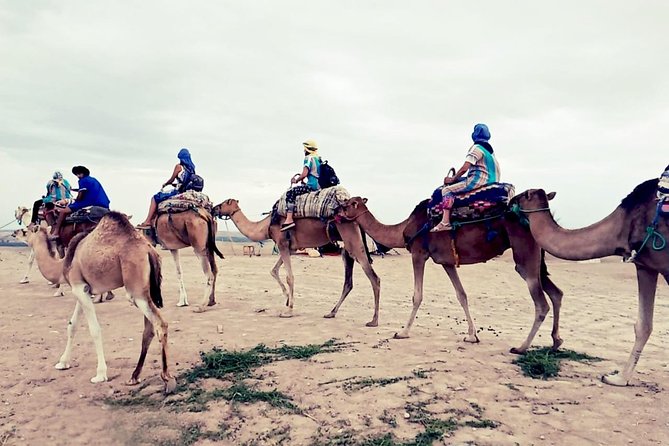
481,133
184,158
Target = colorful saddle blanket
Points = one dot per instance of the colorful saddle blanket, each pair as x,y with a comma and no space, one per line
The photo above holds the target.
484,202
320,204
91,214
187,201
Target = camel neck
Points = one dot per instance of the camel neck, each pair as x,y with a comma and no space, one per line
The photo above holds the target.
50,267
604,238
391,236
254,230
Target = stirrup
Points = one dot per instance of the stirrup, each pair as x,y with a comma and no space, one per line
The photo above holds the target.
288,226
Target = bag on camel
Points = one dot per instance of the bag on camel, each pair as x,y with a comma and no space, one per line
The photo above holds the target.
192,182
327,177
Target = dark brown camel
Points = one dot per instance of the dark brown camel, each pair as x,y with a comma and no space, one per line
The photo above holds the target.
471,246
621,233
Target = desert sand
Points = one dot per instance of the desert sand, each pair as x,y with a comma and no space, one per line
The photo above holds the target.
41,405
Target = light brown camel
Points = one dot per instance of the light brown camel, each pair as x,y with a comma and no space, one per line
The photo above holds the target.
48,262
113,255
472,246
176,231
621,233
308,233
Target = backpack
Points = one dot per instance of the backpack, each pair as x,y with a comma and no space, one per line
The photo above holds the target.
327,176
193,182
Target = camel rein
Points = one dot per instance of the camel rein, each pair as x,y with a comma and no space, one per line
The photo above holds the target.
13,221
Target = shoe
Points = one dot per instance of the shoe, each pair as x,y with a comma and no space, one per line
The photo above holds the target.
287,226
143,226
442,227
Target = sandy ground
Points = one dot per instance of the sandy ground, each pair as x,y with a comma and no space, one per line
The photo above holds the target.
40,405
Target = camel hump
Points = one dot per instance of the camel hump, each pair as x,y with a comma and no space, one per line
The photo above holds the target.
72,248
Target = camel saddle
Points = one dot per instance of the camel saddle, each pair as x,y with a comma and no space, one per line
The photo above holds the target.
481,203
91,214
188,201
322,203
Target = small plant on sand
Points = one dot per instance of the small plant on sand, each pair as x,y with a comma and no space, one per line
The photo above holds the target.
544,363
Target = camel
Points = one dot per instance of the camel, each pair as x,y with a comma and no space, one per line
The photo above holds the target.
175,231
67,232
622,233
471,246
113,255
48,263
308,233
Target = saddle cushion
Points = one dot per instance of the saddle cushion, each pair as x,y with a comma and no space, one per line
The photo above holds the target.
187,201
323,203
91,214
484,202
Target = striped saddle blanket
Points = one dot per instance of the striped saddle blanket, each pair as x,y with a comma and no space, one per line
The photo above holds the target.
484,202
187,201
320,204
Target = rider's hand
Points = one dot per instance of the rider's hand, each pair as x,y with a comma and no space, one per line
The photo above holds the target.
293,180
449,180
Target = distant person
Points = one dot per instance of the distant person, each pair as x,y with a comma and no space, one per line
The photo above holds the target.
58,193
186,179
481,168
90,193
310,171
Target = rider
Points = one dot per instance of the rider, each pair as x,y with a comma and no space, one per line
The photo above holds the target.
90,193
182,173
481,168
58,192
310,171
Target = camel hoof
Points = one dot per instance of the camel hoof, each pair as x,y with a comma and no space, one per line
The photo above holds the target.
199,309
401,336
99,379
24,280
182,304
517,351
58,294
615,379
556,344
472,339
110,296
372,324
170,385
133,382
330,315
211,303
62,366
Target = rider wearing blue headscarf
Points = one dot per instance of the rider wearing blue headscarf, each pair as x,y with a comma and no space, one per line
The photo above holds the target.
182,173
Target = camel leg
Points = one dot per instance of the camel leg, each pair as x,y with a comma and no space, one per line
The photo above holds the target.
64,362
462,298
290,280
540,304
59,291
647,280
348,283
147,337
86,302
361,256
183,297
275,273
418,276
209,290
160,326
31,260
555,294
110,295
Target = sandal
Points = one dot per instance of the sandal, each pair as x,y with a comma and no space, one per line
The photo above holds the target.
442,227
287,226
143,226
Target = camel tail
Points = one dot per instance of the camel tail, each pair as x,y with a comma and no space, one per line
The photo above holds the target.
155,279
211,242
364,242
544,267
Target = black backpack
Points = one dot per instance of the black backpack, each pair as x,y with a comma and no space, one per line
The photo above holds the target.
194,182
327,176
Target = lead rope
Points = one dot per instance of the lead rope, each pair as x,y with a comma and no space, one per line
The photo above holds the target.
4,226
658,243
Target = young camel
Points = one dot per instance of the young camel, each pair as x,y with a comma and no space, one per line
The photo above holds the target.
176,231
621,233
308,233
472,247
113,255
50,265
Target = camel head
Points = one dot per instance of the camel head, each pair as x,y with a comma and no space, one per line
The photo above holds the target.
19,213
534,199
353,208
29,234
226,209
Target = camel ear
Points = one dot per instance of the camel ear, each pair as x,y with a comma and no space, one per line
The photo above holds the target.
550,195
364,200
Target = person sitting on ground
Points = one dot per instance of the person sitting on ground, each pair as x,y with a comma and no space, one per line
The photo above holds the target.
310,171
481,168
90,193
58,193
182,174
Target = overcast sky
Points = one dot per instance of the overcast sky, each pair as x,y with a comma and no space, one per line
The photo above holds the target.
576,95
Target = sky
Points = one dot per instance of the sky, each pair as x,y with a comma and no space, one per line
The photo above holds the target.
576,95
